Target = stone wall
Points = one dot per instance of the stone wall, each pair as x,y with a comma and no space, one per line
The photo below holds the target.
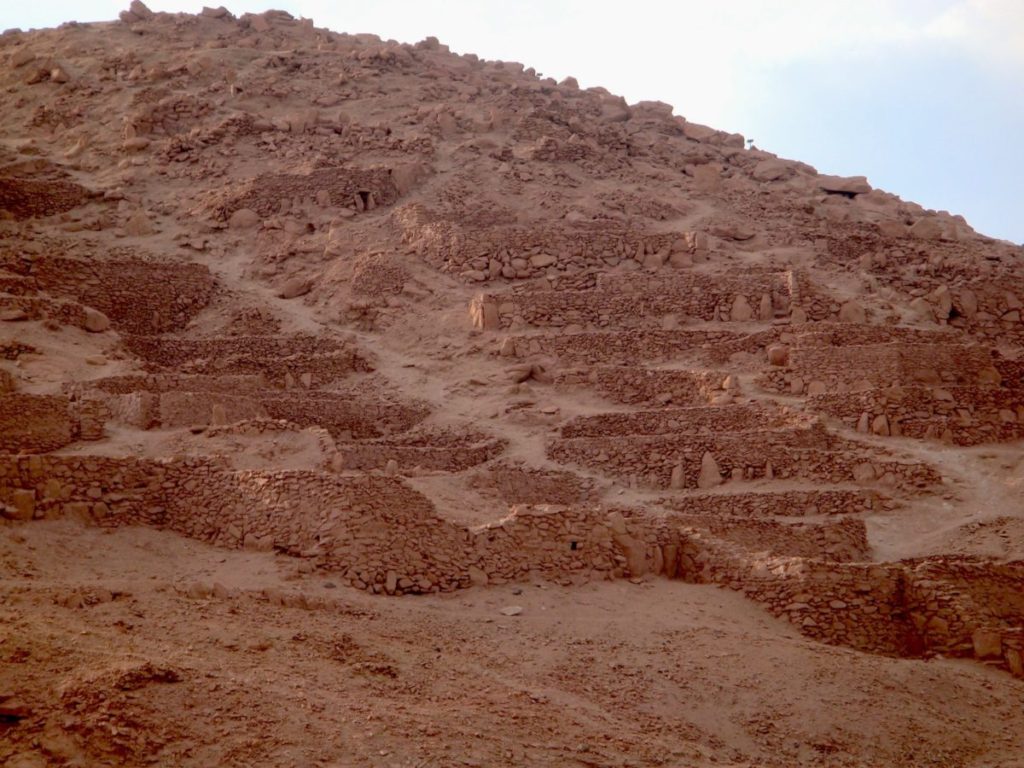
309,361
838,540
625,347
30,198
630,385
488,246
427,451
376,532
964,415
621,305
34,423
380,535
717,419
38,308
879,365
777,504
812,454
358,189
172,293
521,484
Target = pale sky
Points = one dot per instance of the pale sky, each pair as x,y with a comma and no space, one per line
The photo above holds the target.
924,97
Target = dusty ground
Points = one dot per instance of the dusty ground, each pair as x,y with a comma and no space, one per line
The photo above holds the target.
611,674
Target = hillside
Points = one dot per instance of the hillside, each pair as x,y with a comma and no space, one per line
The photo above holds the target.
365,404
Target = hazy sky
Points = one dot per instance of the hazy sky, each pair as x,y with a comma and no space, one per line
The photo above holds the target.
924,97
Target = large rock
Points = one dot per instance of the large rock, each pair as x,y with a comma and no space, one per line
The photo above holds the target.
741,310
96,321
244,218
710,475
844,185
926,229
778,355
852,312
23,505
772,170
138,225
294,287
987,644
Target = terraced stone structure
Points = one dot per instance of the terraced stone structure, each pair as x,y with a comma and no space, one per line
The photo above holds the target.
502,330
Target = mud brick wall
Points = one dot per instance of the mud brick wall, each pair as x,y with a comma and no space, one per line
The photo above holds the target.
34,423
173,292
638,386
783,503
354,188
622,347
30,198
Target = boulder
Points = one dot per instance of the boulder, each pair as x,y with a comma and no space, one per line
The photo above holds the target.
244,218
844,185
852,312
96,321
778,355
942,299
138,225
987,644
710,475
294,287
772,170
741,310
140,9
23,505
816,388
926,229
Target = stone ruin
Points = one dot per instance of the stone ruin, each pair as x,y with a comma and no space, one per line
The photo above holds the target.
758,416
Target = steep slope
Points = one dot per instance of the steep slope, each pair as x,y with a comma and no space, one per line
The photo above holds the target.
412,323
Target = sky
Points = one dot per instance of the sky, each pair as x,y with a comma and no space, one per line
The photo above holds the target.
924,97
